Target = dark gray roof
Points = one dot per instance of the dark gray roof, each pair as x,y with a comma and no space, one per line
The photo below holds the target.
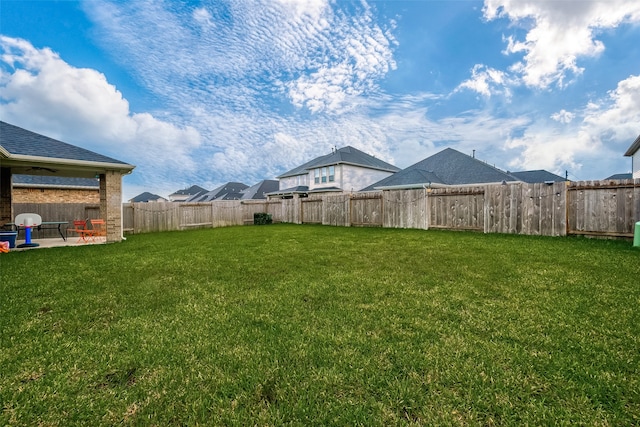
538,176
448,167
54,181
228,191
146,197
193,190
621,176
635,146
345,155
18,141
259,190
300,189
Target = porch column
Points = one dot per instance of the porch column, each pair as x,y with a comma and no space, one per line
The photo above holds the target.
111,204
6,203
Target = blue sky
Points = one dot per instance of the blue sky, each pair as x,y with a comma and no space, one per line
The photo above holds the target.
207,92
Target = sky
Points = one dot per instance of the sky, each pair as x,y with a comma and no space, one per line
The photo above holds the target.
207,92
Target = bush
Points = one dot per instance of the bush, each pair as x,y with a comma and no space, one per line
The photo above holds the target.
262,218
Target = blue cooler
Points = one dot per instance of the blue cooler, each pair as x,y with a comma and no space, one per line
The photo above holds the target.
9,236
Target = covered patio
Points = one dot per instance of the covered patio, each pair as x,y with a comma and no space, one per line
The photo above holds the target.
29,153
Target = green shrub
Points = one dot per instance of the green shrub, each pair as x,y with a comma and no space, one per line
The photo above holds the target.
262,218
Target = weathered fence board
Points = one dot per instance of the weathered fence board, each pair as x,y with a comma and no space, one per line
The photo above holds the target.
405,209
366,210
311,210
603,208
462,208
336,210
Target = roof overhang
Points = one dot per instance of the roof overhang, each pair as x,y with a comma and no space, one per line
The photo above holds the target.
634,147
428,185
36,165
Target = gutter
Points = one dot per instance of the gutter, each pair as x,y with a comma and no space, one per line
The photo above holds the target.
66,162
427,185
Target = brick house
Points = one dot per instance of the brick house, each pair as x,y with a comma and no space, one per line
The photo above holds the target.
23,152
54,189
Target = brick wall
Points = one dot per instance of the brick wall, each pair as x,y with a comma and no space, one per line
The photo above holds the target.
55,195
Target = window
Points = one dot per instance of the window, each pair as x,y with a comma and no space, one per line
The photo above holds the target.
332,173
324,174
317,176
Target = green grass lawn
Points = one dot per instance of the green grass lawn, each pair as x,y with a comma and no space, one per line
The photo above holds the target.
313,325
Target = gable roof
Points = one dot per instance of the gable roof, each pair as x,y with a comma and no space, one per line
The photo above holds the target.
447,167
194,189
628,175
146,197
42,181
537,176
28,152
259,190
228,191
345,155
635,146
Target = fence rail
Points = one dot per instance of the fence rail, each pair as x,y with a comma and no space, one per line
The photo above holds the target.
598,208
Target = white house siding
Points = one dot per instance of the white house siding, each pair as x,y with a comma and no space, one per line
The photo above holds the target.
355,178
293,181
636,164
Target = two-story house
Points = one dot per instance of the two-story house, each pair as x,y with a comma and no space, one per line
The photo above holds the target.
343,170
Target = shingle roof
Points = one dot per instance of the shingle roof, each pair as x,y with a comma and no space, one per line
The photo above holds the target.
345,155
54,181
620,176
18,141
537,176
258,191
449,167
146,197
193,190
228,191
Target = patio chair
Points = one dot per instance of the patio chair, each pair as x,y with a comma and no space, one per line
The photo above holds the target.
80,227
99,228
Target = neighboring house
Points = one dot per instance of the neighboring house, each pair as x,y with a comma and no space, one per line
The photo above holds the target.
228,191
183,195
634,153
260,190
55,189
446,168
344,170
450,167
147,197
538,176
620,176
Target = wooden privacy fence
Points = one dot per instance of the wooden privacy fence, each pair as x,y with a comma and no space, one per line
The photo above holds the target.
599,208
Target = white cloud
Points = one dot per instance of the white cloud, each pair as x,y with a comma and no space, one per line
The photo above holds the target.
41,92
487,81
563,116
605,129
202,16
558,34
617,117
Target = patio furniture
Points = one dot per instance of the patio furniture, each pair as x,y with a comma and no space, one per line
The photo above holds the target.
28,221
80,227
53,225
99,228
